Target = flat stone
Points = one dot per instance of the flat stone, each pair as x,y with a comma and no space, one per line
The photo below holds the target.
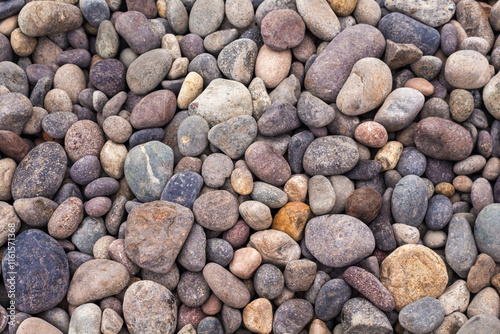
433,13
360,315
148,167
92,275
330,155
229,289
47,159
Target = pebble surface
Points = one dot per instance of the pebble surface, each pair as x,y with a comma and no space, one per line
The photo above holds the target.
273,166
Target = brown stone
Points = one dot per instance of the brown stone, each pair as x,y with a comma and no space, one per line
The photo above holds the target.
66,218
267,164
481,273
13,146
292,219
296,188
364,204
229,289
155,234
242,181
275,247
412,272
422,85
245,262
34,325
282,29
445,188
398,55
371,134
343,7
83,138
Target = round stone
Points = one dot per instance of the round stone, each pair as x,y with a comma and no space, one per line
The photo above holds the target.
216,210
412,272
467,69
83,138
409,201
330,155
282,29
346,237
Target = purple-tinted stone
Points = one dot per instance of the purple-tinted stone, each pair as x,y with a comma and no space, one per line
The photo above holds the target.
146,135
364,170
108,75
76,259
438,171
331,298
78,57
183,188
35,72
66,191
41,269
104,186
280,118
296,149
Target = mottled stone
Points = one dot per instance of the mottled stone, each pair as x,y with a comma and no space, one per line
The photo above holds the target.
234,135
422,316
400,109
412,272
330,155
282,29
359,315
154,110
148,70
216,210
258,316
109,76
320,240
46,18
137,31
149,306
467,69
47,159
409,201
485,230
433,13
229,289
237,60
275,247
15,112
157,256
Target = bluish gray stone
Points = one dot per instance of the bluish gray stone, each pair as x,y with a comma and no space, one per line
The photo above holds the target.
56,124
210,325
331,298
364,170
183,188
270,195
481,323
41,269
41,172
91,229
66,191
439,212
268,281
296,149
409,201
193,253
422,316
460,249
300,310
146,135
148,168
76,259
206,66
487,230
411,162
403,29
103,186
234,135
192,136
219,251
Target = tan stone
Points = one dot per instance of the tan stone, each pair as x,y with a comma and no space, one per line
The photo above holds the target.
113,159
245,262
296,188
8,25
256,214
445,188
292,219
462,183
190,89
111,322
318,327
170,42
179,68
412,272
272,66
389,155
22,45
212,306
343,7
36,326
275,247
242,181
455,298
420,84
7,169
485,301
258,316
101,247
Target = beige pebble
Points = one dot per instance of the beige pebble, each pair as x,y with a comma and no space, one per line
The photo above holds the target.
258,316
245,262
422,85
389,155
296,188
7,169
178,69
101,247
170,42
242,181
272,66
57,100
21,44
8,25
113,159
191,88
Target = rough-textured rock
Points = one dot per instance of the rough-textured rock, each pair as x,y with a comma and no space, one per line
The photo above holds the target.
409,201
229,289
330,155
433,13
149,307
422,316
168,222
298,309
412,272
359,316
217,210
45,18
39,273
275,247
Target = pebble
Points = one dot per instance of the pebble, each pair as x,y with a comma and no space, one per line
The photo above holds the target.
358,315
66,218
258,316
339,152
320,242
272,66
234,135
47,18
267,164
458,70
326,82
433,13
15,111
148,70
428,279
33,325
275,247
35,211
393,116
147,255
229,289
485,229
135,28
37,256
47,159
480,322
149,306
85,318
455,298
299,309
439,212
200,22
364,204
319,18
282,29
409,201
422,316
485,301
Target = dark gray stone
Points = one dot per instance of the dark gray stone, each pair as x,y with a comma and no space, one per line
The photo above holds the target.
103,186
146,135
57,124
41,269
411,162
268,281
297,148
280,118
422,316
439,212
331,298
183,188
409,201
300,310
234,135
219,251
193,253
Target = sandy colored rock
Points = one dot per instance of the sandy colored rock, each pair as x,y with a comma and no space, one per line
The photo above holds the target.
275,247
389,155
343,7
36,326
245,261
190,89
258,316
272,66
412,272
